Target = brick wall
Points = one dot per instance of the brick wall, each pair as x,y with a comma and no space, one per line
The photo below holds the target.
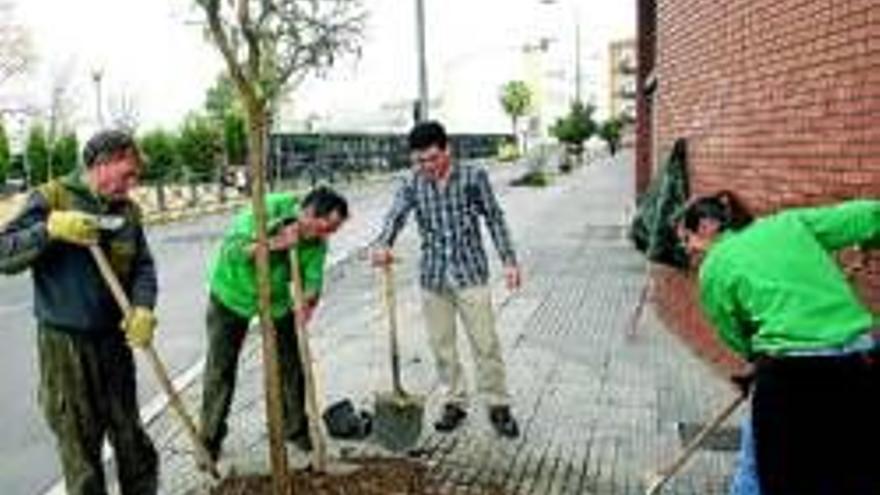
645,56
780,102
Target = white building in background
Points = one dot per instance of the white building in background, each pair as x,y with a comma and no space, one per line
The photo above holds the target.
474,48
622,77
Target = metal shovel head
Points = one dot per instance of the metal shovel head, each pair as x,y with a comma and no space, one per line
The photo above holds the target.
109,222
397,420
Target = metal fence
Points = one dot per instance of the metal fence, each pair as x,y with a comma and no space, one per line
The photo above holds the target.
332,157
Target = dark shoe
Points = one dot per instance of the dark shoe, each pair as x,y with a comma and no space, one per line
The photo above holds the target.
301,440
213,451
451,418
503,421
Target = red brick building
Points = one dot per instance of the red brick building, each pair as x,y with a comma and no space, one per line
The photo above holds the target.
779,101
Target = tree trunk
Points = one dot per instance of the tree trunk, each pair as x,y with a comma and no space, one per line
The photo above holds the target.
515,133
160,194
256,159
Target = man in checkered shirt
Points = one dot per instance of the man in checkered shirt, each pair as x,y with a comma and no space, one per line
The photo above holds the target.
448,200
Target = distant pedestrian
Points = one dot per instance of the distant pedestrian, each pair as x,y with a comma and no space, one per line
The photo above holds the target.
232,302
449,199
87,385
777,297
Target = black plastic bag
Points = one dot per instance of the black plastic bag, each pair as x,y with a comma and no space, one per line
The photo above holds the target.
344,421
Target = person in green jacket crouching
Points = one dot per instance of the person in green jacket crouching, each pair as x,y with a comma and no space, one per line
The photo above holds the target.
777,296
232,302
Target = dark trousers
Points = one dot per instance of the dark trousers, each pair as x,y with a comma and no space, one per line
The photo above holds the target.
87,390
817,423
226,333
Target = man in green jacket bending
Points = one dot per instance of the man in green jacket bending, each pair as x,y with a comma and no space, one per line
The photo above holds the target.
233,302
777,297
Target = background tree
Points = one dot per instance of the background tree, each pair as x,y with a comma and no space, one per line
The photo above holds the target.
573,129
235,138
162,161
37,155
221,99
199,147
609,131
64,154
269,47
5,157
516,100
226,113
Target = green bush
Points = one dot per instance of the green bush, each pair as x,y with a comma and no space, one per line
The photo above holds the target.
535,178
200,146
5,157
235,138
65,154
37,155
161,159
576,127
609,131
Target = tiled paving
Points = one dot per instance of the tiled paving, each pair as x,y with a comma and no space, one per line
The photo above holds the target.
599,407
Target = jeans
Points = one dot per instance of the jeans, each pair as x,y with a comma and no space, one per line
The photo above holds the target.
745,479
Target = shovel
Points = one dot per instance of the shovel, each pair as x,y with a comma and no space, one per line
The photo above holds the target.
150,352
316,435
656,480
397,420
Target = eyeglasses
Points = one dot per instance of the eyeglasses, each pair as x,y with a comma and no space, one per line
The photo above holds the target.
427,157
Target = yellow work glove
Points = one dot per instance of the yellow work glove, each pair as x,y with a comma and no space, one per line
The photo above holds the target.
139,326
75,227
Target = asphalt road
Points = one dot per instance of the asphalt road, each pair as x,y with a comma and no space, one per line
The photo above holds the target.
28,463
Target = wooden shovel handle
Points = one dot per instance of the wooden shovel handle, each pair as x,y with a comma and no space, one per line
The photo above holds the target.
319,447
667,472
390,300
156,364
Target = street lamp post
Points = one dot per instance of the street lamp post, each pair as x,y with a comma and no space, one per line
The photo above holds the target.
577,47
97,75
422,109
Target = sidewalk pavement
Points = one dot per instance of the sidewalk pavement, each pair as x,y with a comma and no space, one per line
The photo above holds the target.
599,408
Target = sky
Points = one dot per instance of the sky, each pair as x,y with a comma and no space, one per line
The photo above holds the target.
153,53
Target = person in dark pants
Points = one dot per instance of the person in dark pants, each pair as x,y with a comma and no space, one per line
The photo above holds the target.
449,200
233,302
87,385
777,297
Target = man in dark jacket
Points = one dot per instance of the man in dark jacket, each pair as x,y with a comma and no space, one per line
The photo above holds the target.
87,374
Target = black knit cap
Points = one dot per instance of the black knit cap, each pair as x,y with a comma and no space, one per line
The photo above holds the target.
105,145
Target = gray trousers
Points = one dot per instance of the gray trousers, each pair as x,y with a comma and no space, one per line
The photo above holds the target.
88,391
474,306
226,333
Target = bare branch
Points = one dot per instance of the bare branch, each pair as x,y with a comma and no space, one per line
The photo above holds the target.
222,40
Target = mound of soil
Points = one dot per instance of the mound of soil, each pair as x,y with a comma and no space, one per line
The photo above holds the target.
374,477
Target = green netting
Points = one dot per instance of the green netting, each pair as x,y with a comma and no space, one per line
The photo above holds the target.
652,230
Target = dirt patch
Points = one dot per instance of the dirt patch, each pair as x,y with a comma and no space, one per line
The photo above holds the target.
375,477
